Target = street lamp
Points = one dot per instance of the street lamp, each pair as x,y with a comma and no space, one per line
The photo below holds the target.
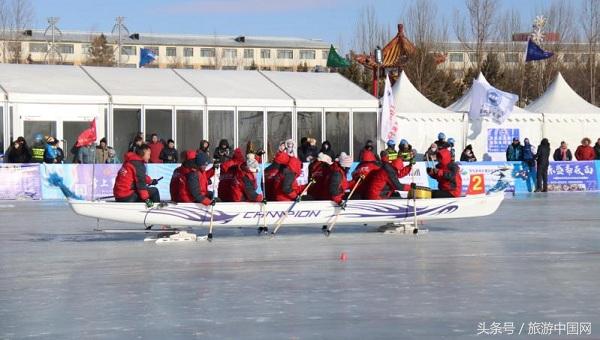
378,61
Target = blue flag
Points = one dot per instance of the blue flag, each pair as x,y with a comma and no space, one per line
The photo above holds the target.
146,56
534,52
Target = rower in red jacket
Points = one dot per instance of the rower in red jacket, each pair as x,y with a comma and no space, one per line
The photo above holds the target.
318,171
197,181
272,174
368,163
337,181
132,183
178,187
239,183
236,160
382,183
281,180
447,173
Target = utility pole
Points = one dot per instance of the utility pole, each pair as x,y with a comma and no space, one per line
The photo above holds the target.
52,53
120,28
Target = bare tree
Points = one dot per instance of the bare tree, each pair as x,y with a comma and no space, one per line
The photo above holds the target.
590,22
20,17
369,32
482,18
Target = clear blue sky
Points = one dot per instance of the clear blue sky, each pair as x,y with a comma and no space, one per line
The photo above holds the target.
325,19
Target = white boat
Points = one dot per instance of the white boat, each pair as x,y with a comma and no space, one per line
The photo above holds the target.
303,214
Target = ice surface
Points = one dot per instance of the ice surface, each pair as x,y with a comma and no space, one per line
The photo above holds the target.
536,259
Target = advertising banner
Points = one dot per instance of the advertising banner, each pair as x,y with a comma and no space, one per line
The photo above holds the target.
573,176
20,181
499,139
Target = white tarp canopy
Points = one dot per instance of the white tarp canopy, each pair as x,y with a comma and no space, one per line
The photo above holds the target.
567,116
327,90
421,120
49,84
482,134
236,88
145,86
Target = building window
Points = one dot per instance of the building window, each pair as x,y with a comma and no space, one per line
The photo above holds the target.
457,57
154,49
569,58
229,68
511,57
66,48
285,69
325,54
248,53
285,54
171,52
85,48
265,53
307,54
207,67
38,47
188,52
230,53
473,57
266,68
207,52
129,50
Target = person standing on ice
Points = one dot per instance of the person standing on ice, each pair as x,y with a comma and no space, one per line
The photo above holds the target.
383,183
562,153
514,152
542,158
132,182
447,173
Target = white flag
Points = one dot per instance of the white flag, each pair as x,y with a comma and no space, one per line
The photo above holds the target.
488,101
389,121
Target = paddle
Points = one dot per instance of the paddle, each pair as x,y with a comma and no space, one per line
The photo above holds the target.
413,188
263,207
343,206
287,212
209,237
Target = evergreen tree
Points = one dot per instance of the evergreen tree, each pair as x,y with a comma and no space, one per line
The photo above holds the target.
101,53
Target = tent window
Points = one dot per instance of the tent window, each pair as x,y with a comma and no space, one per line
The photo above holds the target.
279,128
364,128
32,128
220,126
309,125
250,128
71,131
159,122
337,131
189,129
126,124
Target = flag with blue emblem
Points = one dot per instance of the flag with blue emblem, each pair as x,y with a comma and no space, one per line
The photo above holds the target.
146,56
488,101
535,52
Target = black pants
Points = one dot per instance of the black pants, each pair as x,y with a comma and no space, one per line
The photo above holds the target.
441,194
154,196
542,177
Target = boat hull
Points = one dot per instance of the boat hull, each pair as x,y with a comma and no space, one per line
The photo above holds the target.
305,214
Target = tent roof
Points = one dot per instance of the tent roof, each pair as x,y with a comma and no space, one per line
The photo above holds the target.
332,90
409,100
463,104
49,84
239,88
560,98
149,86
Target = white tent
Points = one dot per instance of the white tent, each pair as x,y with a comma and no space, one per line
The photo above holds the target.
485,135
567,116
421,120
51,100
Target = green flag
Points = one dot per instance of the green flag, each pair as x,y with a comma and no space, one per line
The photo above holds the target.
334,59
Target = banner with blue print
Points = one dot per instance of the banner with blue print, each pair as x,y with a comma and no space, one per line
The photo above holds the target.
573,176
499,139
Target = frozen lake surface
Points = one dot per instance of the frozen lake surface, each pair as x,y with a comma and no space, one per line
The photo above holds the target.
536,260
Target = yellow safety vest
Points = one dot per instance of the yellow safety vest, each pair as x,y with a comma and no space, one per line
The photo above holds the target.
392,154
37,154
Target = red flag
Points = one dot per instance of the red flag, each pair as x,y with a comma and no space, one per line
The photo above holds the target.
88,136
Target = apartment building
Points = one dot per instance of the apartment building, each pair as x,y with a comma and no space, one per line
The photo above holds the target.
175,51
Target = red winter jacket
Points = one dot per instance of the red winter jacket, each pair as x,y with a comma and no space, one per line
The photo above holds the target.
238,185
273,174
337,183
281,180
237,159
585,153
178,187
132,178
368,163
197,184
319,171
155,150
447,173
382,183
